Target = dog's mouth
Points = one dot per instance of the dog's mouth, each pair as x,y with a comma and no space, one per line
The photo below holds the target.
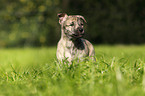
77,35
74,34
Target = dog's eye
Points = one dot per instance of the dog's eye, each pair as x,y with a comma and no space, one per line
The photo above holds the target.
72,24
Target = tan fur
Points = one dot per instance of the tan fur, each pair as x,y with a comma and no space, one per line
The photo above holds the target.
71,46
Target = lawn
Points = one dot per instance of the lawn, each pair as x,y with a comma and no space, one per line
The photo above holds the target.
118,71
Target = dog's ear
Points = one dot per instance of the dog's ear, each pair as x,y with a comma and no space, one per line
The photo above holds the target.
62,17
79,16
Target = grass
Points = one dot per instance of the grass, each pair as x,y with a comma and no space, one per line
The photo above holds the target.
118,71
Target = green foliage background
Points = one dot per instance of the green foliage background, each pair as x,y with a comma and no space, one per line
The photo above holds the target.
35,22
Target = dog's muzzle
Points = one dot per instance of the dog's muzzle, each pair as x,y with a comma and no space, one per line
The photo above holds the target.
78,33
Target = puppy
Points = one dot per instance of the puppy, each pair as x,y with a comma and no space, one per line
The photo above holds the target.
71,45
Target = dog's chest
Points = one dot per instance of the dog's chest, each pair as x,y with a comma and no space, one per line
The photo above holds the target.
75,50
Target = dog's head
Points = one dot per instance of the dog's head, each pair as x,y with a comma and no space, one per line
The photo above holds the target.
72,25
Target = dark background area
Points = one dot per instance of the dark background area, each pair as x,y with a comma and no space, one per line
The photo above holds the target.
35,22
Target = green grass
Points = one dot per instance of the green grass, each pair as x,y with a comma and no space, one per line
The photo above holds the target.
118,71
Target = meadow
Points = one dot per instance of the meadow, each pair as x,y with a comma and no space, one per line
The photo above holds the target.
119,70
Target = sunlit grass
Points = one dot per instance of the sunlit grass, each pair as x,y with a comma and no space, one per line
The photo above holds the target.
118,71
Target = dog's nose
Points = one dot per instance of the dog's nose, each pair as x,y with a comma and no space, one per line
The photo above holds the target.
81,29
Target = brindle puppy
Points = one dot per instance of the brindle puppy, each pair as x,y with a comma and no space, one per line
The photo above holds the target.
71,45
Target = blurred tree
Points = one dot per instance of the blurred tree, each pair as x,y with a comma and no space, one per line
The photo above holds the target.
28,22
35,22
